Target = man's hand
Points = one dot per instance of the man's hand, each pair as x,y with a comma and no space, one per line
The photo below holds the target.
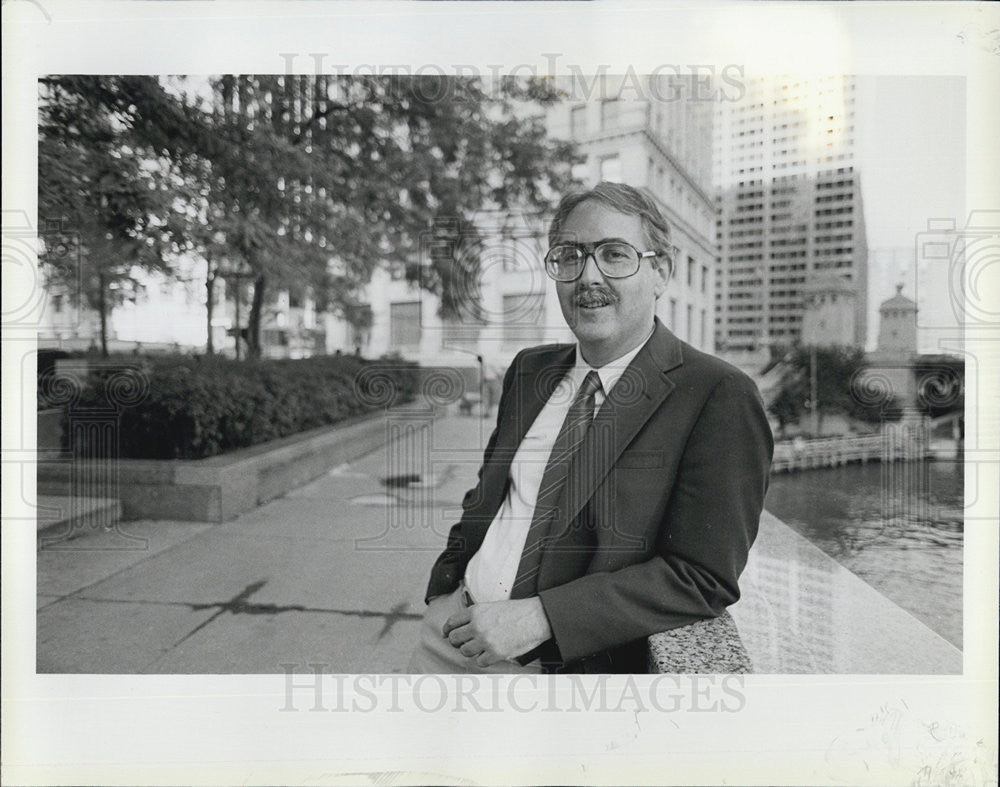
499,630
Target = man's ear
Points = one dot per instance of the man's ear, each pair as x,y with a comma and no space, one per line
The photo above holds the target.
662,277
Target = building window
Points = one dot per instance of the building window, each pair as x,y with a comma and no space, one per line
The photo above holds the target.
703,336
461,335
704,278
404,324
611,168
692,267
688,324
518,253
673,315
578,121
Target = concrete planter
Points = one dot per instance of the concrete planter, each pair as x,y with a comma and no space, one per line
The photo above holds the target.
218,488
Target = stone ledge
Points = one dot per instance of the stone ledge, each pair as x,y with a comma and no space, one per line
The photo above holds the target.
801,612
709,646
222,487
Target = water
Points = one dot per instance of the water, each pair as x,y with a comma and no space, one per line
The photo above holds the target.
899,527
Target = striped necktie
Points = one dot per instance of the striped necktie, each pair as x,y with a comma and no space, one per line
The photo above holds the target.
571,434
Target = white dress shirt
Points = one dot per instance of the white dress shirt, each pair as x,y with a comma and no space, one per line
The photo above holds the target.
492,570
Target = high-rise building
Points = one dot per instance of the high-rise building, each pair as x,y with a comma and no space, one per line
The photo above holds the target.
789,202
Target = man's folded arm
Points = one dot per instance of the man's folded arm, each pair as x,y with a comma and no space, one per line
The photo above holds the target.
702,544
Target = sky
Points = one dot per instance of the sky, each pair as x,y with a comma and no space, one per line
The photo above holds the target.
911,153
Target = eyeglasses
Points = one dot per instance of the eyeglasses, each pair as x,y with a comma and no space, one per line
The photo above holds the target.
615,259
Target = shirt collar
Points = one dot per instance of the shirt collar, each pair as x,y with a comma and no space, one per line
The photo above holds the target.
611,371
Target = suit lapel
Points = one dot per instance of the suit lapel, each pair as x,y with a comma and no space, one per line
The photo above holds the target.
541,370
638,394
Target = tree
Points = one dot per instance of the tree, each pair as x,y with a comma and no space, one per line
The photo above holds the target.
101,191
791,399
307,182
198,226
325,179
837,373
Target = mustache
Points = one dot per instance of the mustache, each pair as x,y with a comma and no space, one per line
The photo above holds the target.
594,296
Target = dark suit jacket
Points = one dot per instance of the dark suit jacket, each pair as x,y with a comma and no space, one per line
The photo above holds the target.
653,528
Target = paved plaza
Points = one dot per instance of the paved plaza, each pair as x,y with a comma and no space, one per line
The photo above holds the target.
332,573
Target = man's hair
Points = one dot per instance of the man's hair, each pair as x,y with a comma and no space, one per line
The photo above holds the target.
630,201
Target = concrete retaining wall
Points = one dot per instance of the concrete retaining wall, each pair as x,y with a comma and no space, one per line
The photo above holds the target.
801,612
218,488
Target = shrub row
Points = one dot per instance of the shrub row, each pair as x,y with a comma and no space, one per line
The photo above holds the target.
182,407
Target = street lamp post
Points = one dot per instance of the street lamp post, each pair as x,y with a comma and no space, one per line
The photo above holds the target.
814,409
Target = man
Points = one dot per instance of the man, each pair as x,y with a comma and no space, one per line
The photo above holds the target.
587,533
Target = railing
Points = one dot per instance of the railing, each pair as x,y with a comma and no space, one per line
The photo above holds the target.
896,442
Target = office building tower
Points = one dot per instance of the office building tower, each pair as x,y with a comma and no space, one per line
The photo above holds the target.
790,208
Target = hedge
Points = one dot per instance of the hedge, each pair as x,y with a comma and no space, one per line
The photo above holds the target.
182,407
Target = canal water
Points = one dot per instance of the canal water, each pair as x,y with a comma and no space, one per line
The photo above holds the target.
898,526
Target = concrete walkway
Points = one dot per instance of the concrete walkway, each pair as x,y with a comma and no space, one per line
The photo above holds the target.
332,573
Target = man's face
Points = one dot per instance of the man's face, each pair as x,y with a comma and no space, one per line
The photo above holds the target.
609,317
